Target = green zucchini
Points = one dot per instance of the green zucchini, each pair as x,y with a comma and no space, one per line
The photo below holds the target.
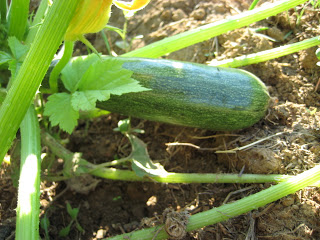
193,95
190,94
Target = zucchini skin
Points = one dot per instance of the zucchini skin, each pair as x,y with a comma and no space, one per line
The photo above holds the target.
192,95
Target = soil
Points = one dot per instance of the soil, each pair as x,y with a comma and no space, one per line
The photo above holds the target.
109,208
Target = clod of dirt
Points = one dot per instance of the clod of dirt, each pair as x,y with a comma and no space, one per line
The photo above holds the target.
175,223
259,160
198,14
83,184
308,59
276,33
255,160
178,15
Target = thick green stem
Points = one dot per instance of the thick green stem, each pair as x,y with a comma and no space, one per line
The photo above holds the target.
230,210
267,55
211,30
33,69
126,175
18,18
28,208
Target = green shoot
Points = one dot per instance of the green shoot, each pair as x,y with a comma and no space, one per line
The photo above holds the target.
73,213
105,39
253,4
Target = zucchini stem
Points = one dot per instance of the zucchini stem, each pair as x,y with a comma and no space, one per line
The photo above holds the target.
28,208
126,175
233,209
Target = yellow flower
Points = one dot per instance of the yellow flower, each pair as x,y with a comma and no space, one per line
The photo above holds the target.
92,16
135,5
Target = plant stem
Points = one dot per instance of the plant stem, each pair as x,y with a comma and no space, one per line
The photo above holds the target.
37,21
126,175
54,75
230,210
211,30
28,208
33,69
3,10
253,4
267,55
18,18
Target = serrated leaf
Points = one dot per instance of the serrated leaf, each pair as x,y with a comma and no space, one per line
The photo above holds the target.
142,165
5,57
109,75
17,48
86,100
74,71
60,112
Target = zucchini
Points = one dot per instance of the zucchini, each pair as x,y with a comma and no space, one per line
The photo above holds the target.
191,94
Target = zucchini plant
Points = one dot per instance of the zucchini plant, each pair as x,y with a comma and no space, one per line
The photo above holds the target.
161,90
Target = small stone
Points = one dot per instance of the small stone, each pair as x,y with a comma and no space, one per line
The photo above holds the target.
101,233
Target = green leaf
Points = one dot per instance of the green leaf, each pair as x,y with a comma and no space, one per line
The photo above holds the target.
65,231
17,48
74,71
86,100
60,111
45,223
318,53
73,212
78,226
14,67
100,80
142,165
109,75
5,57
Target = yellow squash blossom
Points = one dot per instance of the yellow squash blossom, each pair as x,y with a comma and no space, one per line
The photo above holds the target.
92,16
135,5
